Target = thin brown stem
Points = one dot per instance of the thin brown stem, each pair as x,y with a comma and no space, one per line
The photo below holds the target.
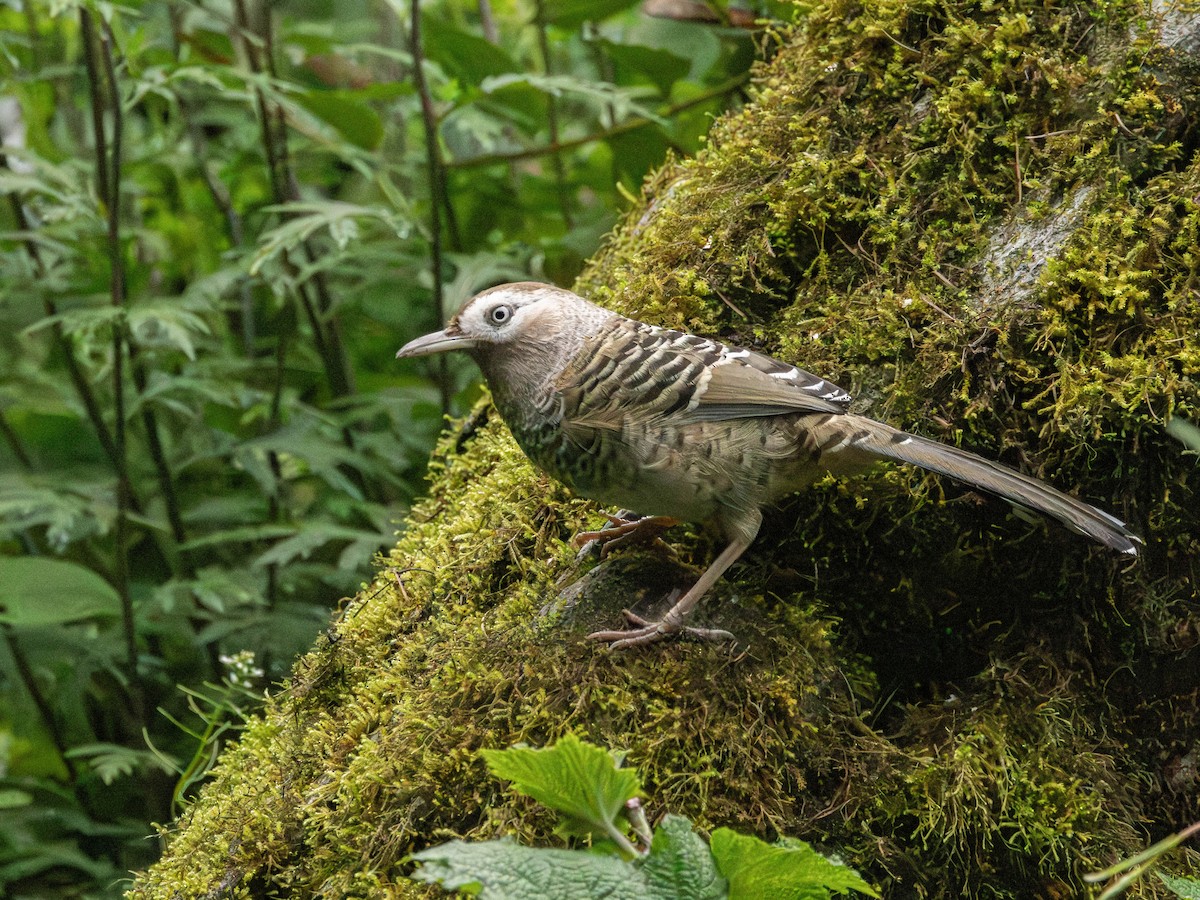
109,189
437,185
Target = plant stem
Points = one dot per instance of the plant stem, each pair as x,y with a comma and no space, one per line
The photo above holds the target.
556,161
44,707
325,330
14,442
109,189
437,187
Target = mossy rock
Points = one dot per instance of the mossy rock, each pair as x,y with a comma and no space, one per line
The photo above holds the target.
982,218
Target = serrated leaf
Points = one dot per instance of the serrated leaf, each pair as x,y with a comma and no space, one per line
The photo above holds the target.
504,870
755,869
1187,888
166,324
680,864
620,102
40,591
112,761
312,537
678,867
577,779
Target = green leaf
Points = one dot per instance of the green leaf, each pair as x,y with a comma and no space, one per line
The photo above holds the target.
621,102
661,67
796,872
463,55
680,863
112,761
578,779
1185,432
13,798
1187,888
353,119
678,867
313,536
573,13
40,591
504,870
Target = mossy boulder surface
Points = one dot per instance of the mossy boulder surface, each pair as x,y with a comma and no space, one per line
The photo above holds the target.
984,220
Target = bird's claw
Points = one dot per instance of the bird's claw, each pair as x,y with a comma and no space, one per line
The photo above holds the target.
622,531
646,632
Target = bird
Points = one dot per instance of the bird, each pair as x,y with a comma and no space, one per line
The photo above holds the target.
684,428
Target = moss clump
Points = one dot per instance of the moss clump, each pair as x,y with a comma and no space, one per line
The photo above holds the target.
983,219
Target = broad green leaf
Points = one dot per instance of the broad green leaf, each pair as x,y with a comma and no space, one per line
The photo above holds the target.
41,591
575,778
1187,888
573,13
661,67
462,55
797,872
504,870
353,119
678,867
680,863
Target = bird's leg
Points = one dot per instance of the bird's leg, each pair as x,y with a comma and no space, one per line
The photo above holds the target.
621,531
672,623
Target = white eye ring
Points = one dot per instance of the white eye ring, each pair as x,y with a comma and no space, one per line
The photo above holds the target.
498,315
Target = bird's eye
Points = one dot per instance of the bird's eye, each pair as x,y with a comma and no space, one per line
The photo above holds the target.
498,315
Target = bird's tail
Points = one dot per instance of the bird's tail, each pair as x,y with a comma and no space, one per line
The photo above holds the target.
884,441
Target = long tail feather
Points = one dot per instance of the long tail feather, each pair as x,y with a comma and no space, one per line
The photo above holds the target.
883,440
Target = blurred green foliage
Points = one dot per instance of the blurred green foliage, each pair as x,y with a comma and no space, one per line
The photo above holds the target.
218,220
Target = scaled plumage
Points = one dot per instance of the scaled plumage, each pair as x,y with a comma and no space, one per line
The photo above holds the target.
674,425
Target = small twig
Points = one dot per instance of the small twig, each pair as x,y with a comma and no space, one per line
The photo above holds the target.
1017,168
1049,134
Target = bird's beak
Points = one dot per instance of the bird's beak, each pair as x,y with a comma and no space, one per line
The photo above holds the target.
438,342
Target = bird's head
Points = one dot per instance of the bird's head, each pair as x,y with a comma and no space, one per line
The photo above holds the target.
528,317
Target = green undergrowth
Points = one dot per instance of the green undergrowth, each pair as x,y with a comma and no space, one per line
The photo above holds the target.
981,218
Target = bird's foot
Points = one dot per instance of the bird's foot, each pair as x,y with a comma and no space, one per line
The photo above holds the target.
621,531
646,632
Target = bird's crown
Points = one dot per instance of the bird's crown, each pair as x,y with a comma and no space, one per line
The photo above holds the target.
520,311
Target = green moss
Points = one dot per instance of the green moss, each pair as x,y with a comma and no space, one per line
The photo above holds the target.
983,219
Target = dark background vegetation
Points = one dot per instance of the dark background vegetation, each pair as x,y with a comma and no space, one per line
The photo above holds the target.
218,222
